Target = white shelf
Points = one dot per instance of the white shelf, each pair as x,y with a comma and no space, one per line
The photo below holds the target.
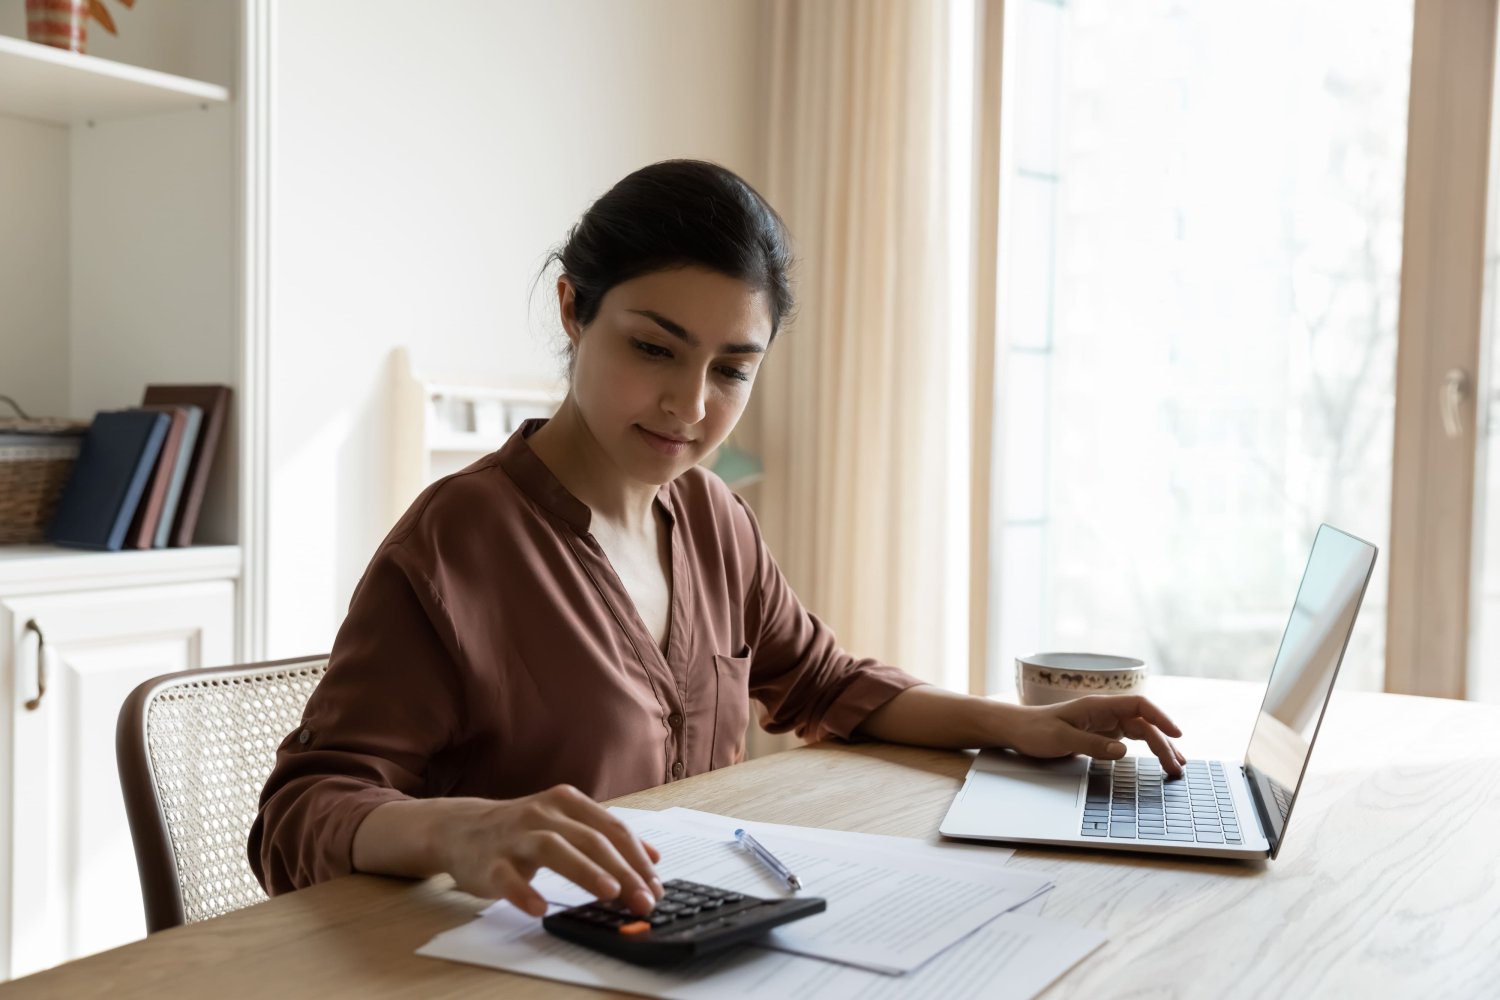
35,569
52,85
443,426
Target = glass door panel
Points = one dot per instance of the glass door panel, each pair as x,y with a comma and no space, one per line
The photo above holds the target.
1200,274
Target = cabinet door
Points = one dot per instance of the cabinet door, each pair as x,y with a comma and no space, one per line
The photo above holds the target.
73,884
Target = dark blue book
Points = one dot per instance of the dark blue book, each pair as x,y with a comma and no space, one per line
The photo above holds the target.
118,455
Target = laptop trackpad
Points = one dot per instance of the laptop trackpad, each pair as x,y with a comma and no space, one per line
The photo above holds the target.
1008,795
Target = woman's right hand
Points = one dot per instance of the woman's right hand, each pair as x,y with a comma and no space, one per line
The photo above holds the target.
493,849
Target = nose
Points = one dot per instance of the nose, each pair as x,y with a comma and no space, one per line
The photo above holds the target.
684,397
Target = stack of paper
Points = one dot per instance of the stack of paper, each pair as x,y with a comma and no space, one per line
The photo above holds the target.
904,918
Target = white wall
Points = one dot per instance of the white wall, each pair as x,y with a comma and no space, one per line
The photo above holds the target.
34,266
426,157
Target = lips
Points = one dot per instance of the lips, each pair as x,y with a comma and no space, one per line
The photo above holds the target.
667,437
672,447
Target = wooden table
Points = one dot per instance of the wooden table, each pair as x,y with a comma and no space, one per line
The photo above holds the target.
1388,885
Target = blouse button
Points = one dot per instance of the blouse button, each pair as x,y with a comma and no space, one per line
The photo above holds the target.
674,720
677,769
304,736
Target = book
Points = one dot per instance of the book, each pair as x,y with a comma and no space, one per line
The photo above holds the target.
142,532
114,463
213,400
179,476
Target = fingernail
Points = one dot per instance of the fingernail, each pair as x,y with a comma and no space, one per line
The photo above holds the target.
1117,748
657,887
641,900
608,888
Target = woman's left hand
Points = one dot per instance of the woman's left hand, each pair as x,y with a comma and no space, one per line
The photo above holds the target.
1093,725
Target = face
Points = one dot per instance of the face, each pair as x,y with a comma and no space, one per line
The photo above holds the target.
664,371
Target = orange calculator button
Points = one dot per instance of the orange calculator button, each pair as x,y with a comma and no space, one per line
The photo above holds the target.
635,927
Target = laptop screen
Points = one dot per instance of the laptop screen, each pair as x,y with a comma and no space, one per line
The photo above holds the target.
1302,678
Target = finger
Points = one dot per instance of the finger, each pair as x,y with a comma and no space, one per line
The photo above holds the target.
1101,747
627,846
1140,729
655,880
551,849
630,887
1147,709
508,884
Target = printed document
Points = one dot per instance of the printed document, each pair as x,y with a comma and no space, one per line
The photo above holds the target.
977,927
1013,957
887,911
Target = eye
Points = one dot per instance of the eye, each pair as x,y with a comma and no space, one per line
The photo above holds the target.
736,374
651,350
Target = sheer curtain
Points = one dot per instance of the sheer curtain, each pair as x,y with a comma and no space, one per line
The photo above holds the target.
861,414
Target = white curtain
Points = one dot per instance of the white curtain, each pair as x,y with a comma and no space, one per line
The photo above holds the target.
864,441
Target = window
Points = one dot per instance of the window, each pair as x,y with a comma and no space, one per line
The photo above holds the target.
1199,294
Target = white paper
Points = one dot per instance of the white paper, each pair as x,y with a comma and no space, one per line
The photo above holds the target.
975,851
1013,957
888,911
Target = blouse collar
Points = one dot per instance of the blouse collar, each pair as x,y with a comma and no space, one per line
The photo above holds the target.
531,474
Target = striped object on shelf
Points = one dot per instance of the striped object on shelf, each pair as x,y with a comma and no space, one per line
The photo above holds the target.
62,24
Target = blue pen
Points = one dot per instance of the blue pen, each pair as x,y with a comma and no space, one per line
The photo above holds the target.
752,845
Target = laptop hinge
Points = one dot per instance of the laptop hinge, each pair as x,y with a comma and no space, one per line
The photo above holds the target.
1267,828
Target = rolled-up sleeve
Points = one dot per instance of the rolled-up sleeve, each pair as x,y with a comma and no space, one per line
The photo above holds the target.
798,671
390,699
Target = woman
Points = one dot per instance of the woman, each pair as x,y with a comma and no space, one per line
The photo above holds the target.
586,612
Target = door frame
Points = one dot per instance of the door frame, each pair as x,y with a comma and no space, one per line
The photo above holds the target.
1438,339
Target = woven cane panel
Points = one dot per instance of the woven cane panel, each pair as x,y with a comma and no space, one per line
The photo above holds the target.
212,743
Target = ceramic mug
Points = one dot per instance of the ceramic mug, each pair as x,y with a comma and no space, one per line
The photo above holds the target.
1048,678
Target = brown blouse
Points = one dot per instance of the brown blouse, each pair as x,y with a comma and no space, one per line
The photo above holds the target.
490,650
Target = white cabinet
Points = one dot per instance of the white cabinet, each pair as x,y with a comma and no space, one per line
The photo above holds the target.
101,624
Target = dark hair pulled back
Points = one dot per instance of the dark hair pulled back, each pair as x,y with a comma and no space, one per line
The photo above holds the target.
672,214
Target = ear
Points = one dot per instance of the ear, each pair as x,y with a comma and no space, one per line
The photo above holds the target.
567,311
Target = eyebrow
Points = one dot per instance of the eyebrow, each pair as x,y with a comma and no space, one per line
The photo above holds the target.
681,333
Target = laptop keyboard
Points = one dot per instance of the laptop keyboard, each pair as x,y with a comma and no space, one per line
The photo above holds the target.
1132,799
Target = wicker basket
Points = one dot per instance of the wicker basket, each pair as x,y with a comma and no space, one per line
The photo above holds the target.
36,458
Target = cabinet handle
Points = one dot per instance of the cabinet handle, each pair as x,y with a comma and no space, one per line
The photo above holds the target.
41,665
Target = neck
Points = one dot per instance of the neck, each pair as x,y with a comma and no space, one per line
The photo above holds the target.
570,451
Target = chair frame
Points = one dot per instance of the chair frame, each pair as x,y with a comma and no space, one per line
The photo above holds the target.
156,862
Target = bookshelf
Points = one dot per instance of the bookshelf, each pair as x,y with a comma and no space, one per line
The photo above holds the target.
121,190
65,88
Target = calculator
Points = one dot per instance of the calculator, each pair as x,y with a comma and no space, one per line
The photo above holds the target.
691,920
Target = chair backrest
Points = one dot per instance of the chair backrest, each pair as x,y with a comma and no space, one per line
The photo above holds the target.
194,750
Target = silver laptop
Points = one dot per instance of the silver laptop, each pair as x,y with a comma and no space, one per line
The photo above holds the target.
1227,809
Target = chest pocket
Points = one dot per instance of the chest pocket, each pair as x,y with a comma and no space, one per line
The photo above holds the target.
731,708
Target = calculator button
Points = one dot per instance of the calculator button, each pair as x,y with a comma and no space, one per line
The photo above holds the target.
635,927
733,897
658,919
